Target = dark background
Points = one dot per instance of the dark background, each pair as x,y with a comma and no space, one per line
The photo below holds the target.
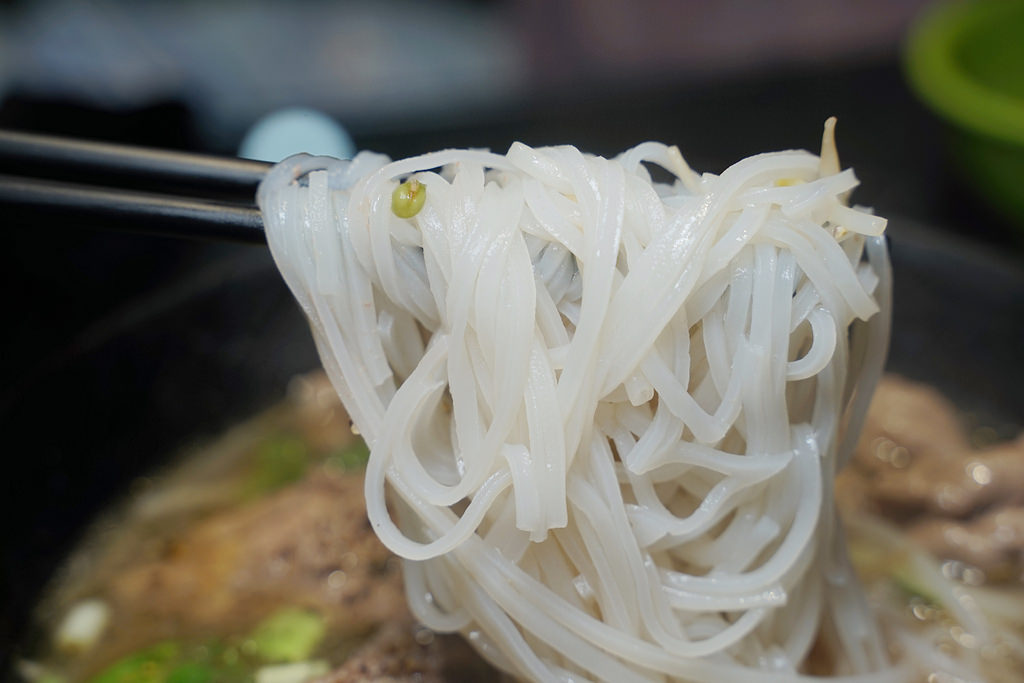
121,349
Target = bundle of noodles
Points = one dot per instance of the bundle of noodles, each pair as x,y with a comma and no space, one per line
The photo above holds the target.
605,412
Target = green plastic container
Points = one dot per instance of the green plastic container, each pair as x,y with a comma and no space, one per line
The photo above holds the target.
966,61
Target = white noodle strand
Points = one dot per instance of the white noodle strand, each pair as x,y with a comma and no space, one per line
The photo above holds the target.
605,412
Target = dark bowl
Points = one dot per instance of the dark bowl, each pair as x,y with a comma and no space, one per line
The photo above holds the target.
222,340
121,350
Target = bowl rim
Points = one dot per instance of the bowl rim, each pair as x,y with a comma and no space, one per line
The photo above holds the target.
938,78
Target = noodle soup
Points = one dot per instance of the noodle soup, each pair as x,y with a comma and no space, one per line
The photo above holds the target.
606,415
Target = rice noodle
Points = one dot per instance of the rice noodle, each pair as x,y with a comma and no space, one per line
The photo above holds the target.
606,412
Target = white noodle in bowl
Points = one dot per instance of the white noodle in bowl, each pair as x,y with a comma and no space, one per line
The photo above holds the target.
604,413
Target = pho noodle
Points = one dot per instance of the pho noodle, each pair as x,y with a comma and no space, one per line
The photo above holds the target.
604,412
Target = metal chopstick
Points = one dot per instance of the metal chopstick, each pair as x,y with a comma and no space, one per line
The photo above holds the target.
31,200
129,167
110,186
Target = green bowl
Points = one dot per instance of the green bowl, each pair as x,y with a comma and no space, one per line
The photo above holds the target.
966,61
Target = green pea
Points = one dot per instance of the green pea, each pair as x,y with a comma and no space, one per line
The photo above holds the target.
408,198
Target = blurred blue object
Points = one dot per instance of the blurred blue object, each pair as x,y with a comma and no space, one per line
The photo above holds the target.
285,132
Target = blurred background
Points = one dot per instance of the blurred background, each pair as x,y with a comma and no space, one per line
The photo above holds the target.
120,349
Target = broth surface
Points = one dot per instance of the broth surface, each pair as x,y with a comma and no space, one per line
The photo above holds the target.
252,558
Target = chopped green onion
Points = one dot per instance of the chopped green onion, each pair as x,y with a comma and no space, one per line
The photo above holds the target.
289,635
279,461
191,672
352,458
146,666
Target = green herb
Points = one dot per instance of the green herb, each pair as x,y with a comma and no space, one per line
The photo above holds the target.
289,635
151,665
191,672
279,461
352,458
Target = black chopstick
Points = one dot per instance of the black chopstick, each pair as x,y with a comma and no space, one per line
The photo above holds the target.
98,185
32,201
128,167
